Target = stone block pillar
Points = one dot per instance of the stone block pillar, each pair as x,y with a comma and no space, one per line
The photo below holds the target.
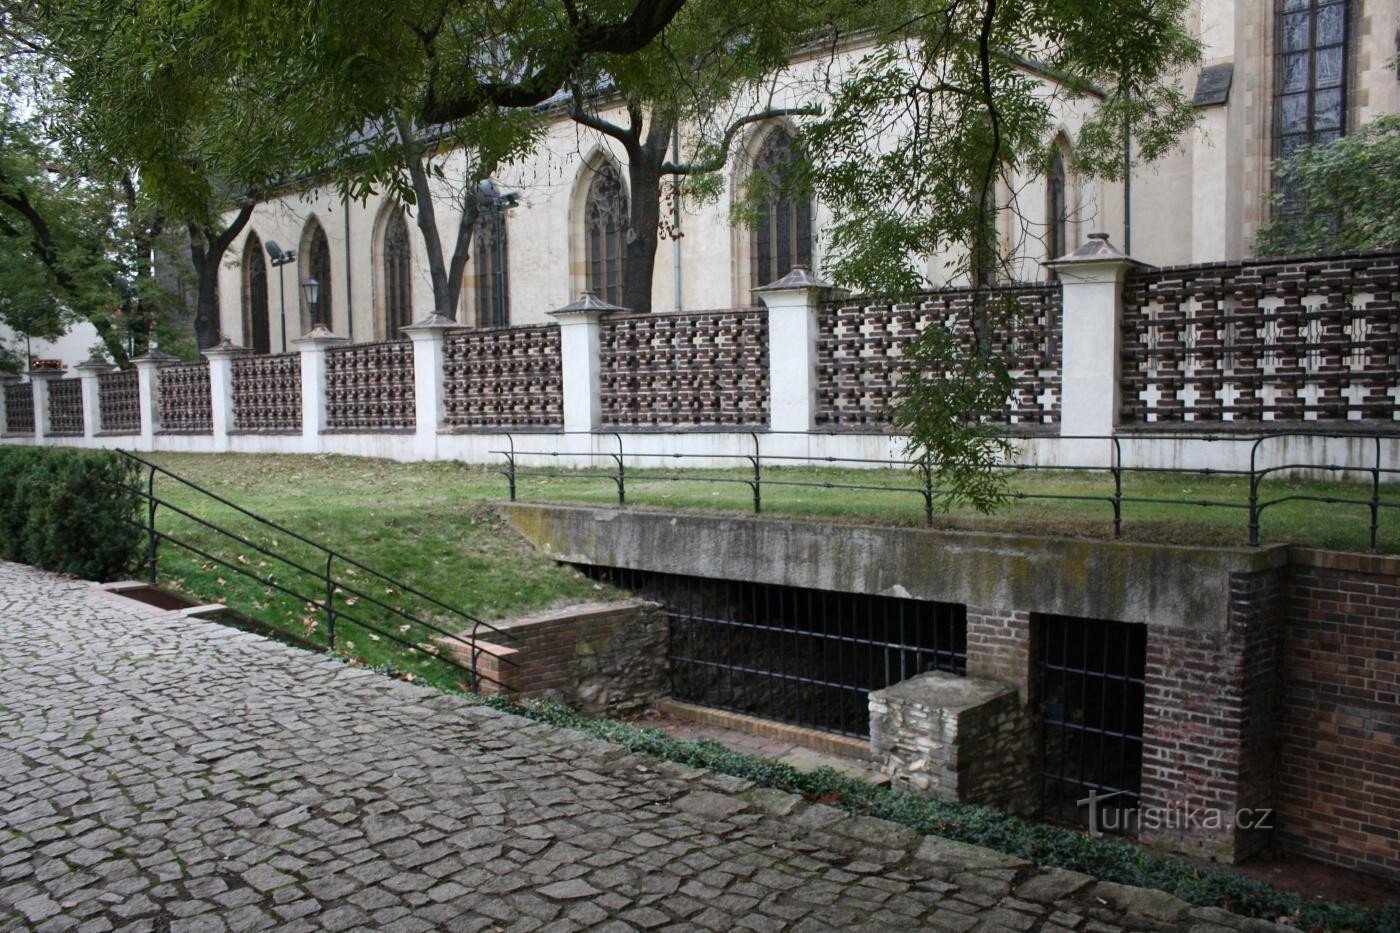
579,329
429,337
956,738
221,359
312,346
88,371
148,394
792,302
39,380
1091,278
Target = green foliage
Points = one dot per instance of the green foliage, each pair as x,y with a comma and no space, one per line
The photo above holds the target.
70,511
1337,197
1044,844
959,100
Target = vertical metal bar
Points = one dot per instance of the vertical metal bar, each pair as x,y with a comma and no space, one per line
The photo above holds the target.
621,474
927,490
330,601
903,643
1103,709
1254,494
1044,729
1083,699
757,476
1117,488
151,538
1376,494
510,462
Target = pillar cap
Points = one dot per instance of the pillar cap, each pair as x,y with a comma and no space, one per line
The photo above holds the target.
319,336
587,303
800,278
95,364
433,323
1096,249
155,357
224,349
46,372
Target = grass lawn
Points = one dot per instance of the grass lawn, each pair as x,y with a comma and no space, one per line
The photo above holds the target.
431,526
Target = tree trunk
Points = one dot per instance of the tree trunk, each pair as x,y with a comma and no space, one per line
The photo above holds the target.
644,218
207,250
206,313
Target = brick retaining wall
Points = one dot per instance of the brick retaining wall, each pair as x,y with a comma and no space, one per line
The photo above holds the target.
1338,778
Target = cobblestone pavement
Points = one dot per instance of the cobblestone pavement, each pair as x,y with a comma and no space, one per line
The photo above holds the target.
163,773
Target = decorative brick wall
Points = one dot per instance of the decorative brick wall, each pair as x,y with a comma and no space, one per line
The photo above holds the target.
1263,341
1000,645
267,392
1338,778
1208,728
604,658
66,407
19,408
507,378
369,387
698,368
861,346
118,402
182,398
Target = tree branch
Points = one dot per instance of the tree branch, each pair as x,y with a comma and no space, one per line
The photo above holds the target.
716,162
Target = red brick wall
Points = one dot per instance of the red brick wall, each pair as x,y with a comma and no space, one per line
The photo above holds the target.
1208,721
1338,779
1000,645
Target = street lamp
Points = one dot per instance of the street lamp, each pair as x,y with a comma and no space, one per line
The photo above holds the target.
311,290
280,258
492,200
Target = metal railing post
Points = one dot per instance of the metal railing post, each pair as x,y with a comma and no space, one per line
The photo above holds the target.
330,602
151,538
1254,494
1117,487
757,476
927,490
621,478
1376,494
510,466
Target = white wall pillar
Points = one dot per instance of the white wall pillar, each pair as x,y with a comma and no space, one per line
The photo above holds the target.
39,381
1091,280
792,303
148,389
428,336
313,346
579,329
88,371
221,359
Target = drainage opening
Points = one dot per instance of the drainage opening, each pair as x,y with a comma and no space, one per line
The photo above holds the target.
807,657
1092,691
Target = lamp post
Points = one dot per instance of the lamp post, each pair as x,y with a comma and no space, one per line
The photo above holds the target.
311,291
495,202
280,258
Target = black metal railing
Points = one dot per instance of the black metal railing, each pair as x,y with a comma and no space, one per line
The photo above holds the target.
457,644
753,461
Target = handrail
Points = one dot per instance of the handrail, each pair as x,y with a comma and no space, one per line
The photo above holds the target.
325,575
1256,474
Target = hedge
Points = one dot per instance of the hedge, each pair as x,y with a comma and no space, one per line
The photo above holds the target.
1044,844
70,511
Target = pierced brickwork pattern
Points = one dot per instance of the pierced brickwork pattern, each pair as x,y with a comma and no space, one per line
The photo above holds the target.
119,401
861,347
698,368
19,408
183,398
369,387
512,377
267,393
66,407
1269,341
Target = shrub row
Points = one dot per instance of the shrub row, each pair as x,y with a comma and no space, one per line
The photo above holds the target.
1041,843
70,511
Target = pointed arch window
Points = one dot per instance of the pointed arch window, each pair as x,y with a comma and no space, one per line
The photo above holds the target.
605,220
1057,205
492,285
396,260
316,263
1311,83
783,236
256,326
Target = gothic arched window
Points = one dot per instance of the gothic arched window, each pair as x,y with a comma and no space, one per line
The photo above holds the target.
605,220
1057,206
783,236
256,330
492,286
396,269
316,264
